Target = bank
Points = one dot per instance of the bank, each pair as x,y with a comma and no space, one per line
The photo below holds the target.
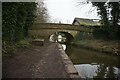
110,47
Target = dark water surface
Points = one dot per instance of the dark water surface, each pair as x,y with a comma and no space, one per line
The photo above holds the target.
92,64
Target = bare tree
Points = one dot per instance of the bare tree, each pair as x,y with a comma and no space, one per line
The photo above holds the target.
41,12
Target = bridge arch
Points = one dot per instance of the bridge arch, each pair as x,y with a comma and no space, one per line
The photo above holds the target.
66,37
45,30
69,37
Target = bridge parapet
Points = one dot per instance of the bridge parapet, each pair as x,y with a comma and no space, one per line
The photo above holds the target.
38,26
45,30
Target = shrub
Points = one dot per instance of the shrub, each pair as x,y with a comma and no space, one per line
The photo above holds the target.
23,43
100,34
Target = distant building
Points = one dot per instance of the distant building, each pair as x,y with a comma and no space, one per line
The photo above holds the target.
86,22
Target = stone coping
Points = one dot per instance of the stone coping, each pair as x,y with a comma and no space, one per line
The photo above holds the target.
71,70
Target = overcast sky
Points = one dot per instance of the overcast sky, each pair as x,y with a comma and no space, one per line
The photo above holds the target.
66,10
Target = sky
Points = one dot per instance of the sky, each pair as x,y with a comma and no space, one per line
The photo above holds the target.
65,11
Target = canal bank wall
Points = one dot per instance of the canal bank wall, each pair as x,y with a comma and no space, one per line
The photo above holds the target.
69,66
109,47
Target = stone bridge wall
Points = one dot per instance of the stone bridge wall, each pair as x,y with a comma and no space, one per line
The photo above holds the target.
45,33
44,30
60,26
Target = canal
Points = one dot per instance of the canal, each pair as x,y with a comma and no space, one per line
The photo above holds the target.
89,63
92,64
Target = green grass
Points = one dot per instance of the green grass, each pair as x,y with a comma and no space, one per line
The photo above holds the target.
9,50
99,45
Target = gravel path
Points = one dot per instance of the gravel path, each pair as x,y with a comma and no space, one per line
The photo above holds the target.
35,62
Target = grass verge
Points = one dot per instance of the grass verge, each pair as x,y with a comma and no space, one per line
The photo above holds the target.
99,45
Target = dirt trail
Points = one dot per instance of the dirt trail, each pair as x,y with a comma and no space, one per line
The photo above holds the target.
35,62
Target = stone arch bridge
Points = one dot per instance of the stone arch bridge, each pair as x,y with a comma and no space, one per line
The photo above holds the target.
44,30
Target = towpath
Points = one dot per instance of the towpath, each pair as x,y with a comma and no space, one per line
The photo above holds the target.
35,62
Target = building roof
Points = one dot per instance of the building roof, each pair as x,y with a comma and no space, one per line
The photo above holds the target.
87,22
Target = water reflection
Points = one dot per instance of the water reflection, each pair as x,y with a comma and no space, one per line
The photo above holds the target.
57,37
95,71
87,70
91,64
64,46
53,38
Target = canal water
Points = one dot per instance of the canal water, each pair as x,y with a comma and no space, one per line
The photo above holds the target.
92,64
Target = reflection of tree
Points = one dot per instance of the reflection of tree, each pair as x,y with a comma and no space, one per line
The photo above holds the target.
101,71
105,72
111,72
